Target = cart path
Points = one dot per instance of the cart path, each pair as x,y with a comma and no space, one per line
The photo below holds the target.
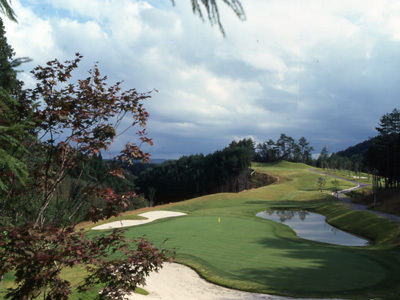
355,206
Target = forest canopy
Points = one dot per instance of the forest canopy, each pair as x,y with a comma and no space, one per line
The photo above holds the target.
195,175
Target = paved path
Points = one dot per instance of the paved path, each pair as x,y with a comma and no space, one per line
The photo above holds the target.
354,205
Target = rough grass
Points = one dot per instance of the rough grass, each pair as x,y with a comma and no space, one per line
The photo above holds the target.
386,201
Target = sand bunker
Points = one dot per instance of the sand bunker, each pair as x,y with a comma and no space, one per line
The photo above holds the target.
151,216
178,282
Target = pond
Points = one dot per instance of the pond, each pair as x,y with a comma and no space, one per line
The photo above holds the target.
312,226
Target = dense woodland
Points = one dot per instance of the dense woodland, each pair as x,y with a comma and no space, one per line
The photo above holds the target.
226,170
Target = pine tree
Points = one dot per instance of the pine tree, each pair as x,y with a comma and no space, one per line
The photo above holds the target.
383,155
14,121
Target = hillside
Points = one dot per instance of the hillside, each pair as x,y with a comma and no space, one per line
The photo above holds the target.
358,149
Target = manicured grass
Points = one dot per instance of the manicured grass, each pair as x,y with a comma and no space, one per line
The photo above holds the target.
74,276
246,252
263,256
249,253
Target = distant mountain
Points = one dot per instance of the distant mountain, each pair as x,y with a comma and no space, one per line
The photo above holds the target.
359,149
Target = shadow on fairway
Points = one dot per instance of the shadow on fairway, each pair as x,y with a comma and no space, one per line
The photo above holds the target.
329,269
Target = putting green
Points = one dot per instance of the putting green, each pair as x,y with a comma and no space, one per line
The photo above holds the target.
261,255
253,254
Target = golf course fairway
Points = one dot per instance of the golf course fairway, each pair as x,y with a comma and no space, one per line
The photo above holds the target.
223,240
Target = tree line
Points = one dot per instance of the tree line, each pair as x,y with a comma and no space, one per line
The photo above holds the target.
383,156
225,170
378,156
285,148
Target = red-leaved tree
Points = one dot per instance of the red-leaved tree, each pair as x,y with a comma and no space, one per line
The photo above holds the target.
76,121
38,255
73,123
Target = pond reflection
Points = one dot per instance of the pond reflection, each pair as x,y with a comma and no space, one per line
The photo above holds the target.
312,226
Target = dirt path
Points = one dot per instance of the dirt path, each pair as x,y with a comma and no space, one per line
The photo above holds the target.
354,205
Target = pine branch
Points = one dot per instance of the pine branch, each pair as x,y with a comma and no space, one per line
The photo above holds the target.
6,9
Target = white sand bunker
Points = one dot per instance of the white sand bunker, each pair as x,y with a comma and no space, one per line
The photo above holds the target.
178,282
151,216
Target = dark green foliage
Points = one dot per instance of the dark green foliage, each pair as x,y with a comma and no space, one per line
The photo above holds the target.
285,148
384,154
353,158
6,9
93,172
378,155
15,124
358,149
196,175
323,159
212,10
138,167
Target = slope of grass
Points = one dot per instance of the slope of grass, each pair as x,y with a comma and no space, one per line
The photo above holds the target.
384,233
387,200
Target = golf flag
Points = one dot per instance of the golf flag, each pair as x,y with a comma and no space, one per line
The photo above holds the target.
219,220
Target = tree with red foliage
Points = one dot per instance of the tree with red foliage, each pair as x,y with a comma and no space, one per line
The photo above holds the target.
72,124
38,255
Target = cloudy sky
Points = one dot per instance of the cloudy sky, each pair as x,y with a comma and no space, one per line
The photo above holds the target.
325,70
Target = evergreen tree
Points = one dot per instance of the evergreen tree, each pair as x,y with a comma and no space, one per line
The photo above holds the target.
197,175
285,148
14,118
305,150
322,160
383,156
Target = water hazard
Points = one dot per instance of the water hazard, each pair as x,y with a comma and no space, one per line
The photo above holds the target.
312,226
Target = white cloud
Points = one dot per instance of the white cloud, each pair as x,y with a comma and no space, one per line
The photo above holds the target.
306,68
